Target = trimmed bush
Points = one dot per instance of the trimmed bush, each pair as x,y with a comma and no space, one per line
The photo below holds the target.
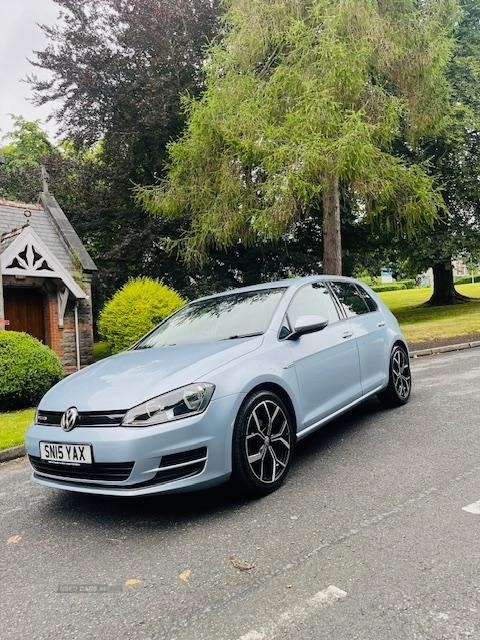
135,309
396,285
28,369
101,350
391,286
466,279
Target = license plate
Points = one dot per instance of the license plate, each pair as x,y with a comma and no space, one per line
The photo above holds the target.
67,453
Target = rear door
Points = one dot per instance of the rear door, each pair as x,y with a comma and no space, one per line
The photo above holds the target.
368,325
327,361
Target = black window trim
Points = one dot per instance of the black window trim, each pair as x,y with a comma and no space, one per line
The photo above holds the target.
357,287
338,304
360,290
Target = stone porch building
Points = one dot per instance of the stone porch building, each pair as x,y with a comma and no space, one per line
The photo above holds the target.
45,284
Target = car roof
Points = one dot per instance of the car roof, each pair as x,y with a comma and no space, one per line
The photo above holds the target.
287,283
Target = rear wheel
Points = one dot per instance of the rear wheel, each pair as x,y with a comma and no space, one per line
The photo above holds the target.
263,441
400,379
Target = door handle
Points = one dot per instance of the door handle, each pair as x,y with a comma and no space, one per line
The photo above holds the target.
347,334
381,324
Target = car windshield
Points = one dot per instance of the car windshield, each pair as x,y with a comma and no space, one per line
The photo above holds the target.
237,315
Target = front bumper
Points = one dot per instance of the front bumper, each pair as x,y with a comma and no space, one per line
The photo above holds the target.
186,454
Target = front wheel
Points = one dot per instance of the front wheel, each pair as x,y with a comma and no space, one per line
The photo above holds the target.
399,386
263,441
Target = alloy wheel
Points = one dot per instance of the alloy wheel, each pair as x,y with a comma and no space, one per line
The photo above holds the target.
401,375
268,441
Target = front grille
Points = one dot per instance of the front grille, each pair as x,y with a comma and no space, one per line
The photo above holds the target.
85,419
109,471
176,466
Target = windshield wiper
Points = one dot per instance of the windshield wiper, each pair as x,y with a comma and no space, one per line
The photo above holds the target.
244,335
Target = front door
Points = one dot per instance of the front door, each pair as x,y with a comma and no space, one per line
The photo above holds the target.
326,362
24,311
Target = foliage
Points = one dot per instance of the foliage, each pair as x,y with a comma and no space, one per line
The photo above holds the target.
394,286
391,286
453,161
22,155
111,61
13,426
116,70
300,94
466,279
101,350
28,369
136,309
82,182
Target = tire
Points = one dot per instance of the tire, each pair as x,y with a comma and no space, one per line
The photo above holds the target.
263,443
399,386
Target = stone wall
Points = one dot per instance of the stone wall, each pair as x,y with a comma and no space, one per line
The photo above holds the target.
85,330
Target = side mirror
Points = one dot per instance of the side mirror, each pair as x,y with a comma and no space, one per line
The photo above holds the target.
307,324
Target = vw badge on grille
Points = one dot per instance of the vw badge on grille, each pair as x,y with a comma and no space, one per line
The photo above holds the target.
69,419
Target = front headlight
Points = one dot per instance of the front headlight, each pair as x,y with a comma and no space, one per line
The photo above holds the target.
181,403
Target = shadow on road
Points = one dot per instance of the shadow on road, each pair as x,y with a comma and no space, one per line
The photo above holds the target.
174,510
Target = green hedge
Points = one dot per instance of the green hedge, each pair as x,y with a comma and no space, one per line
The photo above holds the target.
101,350
28,369
135,309
390,286
399,285
466,279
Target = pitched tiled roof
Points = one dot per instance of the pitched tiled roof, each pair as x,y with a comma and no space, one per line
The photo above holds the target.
19,205
52,226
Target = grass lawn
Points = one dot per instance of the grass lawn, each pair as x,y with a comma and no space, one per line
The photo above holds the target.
13,425
428,324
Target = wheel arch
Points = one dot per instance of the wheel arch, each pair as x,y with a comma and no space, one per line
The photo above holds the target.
399,342
281,393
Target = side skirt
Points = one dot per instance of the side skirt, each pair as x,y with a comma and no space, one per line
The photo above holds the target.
332,416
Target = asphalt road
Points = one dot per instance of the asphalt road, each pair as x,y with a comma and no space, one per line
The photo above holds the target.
368,539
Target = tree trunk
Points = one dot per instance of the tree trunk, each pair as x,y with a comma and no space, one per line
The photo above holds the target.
332,239
444,291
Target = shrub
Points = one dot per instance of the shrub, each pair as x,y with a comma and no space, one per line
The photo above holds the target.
396,285
466,279
135,309
28,369
391,286
367,279
409,284
101,350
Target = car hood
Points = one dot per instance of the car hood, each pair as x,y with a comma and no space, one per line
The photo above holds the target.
127,379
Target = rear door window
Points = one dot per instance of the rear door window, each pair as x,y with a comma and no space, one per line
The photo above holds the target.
350,298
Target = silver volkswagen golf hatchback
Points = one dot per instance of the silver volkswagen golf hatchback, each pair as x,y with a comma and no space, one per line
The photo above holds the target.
221,390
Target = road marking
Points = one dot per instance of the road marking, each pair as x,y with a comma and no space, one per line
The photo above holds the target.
473,508
274,629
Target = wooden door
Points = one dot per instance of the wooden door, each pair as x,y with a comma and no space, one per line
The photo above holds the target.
24,310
